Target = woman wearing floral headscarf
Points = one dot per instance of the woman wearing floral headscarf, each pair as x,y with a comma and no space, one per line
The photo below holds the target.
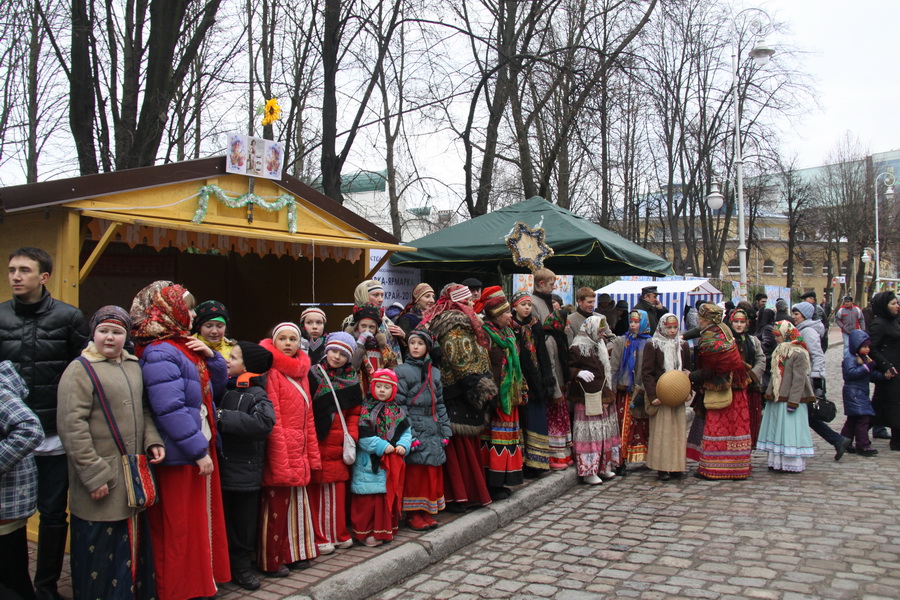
468,388
755,362
625,357
181,376
725,447
559,424
666,352
595,430
784,433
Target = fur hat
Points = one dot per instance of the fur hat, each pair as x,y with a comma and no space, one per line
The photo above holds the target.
384,376
211,310
342,342
111,315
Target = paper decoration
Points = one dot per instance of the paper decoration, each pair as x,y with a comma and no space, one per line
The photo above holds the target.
257,157
528,246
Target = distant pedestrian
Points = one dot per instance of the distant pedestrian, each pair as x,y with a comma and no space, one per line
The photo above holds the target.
849,318
859,370
650,304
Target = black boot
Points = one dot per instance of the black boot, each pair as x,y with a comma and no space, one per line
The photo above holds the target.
50,553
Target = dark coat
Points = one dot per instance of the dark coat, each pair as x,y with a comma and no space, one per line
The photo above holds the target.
41,339
173,391
857,375
653,314
244,419
427,414
885,333
539,377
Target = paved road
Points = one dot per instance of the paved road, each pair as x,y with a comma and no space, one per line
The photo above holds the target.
830,532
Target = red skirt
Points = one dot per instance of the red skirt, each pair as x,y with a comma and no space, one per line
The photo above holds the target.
285,528
187,528
755,410
378,515
328,504
725,450
502,450
635,432
424,489
464,473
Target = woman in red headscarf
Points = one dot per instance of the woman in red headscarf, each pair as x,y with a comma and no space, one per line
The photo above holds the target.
181,376
468,388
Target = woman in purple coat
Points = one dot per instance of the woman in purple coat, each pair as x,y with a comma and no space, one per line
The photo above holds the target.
181,377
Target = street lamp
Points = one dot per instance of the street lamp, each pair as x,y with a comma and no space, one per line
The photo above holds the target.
761,53
888,177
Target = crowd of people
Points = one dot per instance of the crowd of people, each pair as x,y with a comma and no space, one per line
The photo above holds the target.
269,454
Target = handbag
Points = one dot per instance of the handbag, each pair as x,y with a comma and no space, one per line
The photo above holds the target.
717,399
822,408
348,453
140,485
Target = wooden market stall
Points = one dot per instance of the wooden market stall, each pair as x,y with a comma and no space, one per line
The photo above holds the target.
265,248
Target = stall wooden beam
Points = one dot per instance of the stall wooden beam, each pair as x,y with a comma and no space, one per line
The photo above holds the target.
95,255
380,264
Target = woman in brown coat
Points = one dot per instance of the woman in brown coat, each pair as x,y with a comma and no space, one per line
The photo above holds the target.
111,555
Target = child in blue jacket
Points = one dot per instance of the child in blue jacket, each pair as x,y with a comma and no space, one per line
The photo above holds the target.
385,437
858,371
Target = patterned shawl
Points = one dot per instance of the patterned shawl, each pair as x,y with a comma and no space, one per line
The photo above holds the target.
590,341
671,347
347,387
634,344
511,378
793,343
445,302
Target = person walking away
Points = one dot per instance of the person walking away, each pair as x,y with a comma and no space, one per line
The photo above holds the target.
859,369
40,336
20,434
784,433
668,431
245,418
811,331
111,556
595,430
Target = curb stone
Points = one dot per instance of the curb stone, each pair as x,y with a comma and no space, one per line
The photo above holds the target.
385,570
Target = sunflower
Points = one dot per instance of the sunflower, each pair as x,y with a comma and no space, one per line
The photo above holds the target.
271,112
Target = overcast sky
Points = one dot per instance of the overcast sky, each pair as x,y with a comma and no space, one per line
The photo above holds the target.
853,60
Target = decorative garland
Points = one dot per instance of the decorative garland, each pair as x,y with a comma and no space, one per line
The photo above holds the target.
529,246
241,201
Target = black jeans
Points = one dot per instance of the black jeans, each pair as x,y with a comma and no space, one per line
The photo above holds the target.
53,489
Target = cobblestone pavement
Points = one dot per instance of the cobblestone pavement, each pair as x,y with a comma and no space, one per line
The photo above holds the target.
829,532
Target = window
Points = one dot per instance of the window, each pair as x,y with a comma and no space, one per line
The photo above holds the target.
734,267
769,267
825,267
808,268
784,267
844,268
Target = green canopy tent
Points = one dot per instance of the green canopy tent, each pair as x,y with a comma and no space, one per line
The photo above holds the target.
579,246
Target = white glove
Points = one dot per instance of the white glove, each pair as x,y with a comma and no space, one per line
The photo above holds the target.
304,345
585,376
363,337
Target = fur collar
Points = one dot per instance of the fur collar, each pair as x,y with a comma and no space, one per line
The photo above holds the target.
296,366
93,355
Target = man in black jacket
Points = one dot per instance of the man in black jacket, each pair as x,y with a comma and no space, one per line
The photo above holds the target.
41,335
650,302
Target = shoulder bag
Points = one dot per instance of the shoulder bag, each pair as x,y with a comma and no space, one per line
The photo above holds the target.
349,448
140,485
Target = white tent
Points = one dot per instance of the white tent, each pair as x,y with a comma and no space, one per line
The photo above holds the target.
674,294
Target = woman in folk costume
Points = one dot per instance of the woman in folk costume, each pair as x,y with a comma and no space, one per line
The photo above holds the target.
720,372
371,292
110,540
538,374
337,375
559,423
755,362
625,359
784,433
595,430
666,352
501,442
468,388
182,375
286,538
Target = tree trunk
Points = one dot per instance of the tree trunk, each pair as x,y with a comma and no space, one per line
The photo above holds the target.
81,92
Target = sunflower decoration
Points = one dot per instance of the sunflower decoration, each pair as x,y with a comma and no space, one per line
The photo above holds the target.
271,112
529,246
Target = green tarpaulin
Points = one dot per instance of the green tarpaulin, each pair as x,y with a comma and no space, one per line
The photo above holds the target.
580,247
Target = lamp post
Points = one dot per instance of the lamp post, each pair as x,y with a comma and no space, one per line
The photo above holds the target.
761,53
888,177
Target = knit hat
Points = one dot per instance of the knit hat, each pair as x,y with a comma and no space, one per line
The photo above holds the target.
313,310
366,311
493,301
111,315
420,290
424,335
384,376
211,310
286,325
362,291
257,359
342,342
460,293
804,308
520,296
622,305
